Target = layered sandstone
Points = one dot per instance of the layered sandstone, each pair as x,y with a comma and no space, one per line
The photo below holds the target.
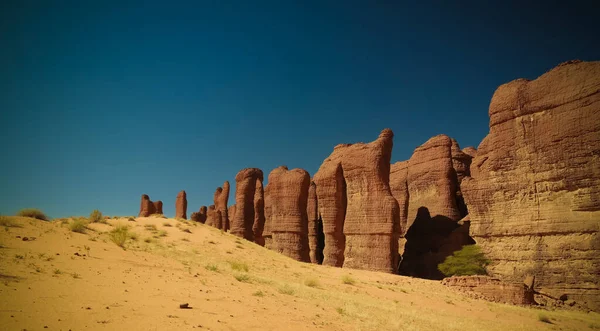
181,205
534,195
461,161
259,213
220,199
202,212
210,216
288,191
354,197
147,207
399,188
230,215
492,289
245,181
267,234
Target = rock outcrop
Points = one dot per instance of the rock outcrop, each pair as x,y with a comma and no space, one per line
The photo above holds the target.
360,215
316,240
267,234
147,207
245,182
220,198
199,216
259,213
288,191
210,216
534,195
428,193
181,205
491,289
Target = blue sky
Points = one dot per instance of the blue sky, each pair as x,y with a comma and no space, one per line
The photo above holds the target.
102,101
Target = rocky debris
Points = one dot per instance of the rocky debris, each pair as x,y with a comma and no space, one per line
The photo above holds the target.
360,215
534,195
259,213
181,205
288,191
184,306
242,224
315,226
491,289
221,197
147,207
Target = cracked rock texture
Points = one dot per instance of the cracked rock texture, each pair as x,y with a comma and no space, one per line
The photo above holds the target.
534,195
243,223
360,215
288,192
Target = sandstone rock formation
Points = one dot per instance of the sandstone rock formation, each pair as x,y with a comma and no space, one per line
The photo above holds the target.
288,191
259,213
360,215
199,216
230,215
210,216
221,197
316,239
491,289
534,195
470,151
147,207
267,234
158,207
428,193
181,205
242,224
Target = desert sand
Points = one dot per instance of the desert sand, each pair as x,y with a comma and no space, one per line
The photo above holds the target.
57,279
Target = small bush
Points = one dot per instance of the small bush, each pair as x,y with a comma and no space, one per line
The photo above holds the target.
79,225
244,278
76,275
162,233
348,280
150,227
57,272
286,289
311,282
96,217
7,222
212,267
258,294
119,235
167,224
465,262
33,213
239,266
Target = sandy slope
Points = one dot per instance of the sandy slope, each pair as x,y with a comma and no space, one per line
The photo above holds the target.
44,284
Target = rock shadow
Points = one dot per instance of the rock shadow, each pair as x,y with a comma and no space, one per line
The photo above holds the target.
429,241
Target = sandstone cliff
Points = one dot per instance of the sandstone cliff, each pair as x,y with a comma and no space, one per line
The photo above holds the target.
181,205
288,192
360,215
242,224
534,199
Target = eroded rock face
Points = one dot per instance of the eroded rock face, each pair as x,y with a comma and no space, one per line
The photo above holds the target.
146,207
210,216
461,161
230,215
354,195
534,195
267,234
242,224
259,213
181,205
158,207
288,191
432,180
203,211
399,188
316,239
491,289
220,198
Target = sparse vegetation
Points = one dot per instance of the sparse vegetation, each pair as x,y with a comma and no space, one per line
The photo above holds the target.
167,224
150,227
158,216
57,272
312,282
148,240
340,310
286,289
19,256
239,266
131,219
96,217
8,223
119,235
465,262
348,280
187,230
212,267
258,294
79,225
76,275
244,278
162,233
33,213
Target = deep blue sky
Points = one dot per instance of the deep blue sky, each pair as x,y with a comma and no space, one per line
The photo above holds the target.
102,101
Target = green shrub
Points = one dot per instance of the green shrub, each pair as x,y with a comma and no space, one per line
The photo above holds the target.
119,235
244,278
96,217
212,267
286,289
543,318
79,225
239,266
465,262
312,282
33,213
